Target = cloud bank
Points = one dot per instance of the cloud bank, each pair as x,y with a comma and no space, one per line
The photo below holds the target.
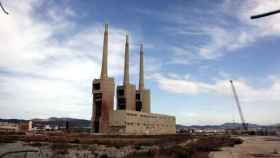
47,64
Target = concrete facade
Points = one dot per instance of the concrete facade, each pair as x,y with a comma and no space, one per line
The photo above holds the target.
133,105
15,127
143,100
103,100
126,96
143,96
103,91
126,93
9,127
132,122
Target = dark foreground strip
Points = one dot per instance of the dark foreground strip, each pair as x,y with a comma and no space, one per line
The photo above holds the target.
15,152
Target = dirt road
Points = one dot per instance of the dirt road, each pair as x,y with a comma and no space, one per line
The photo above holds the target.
253,146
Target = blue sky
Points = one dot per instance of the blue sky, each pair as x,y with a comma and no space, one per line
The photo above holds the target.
51,50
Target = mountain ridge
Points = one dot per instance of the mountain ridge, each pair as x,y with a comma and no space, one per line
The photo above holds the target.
75,122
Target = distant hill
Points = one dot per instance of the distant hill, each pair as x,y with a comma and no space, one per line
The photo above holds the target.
53,121
222,126
178,126
13,120
73,122
237,125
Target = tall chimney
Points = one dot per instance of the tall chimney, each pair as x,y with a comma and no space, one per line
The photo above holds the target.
141,71
104,68
126,62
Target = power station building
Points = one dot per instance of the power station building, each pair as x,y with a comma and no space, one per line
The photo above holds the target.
133,111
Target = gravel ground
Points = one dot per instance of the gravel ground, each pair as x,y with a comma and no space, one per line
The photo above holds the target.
253,146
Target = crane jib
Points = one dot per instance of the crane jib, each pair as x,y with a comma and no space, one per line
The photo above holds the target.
244,125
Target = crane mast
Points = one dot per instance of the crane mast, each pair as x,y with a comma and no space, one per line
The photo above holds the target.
244,125
3,9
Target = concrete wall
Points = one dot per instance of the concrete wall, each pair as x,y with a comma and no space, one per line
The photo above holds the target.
5,126
146,100
132,122
129,96
107,90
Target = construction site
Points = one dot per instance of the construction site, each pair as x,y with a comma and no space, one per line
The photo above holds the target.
132,130
123,125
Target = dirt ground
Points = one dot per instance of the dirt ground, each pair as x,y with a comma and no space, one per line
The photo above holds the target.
253,146
69,145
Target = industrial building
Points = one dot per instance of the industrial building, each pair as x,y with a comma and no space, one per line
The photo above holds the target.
9,127
133,111
15,127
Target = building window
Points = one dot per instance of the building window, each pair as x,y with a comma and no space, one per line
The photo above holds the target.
121,92
121,104
138,96
98,109
138,106
97,96
131,114
96,86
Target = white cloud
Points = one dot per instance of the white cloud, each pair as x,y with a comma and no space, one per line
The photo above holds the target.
260,105
246,92
27,97
266,26
226,39
175,85
182,56
228,29
49,63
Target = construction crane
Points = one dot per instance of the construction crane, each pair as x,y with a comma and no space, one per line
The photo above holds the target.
3,9
244,125
265,14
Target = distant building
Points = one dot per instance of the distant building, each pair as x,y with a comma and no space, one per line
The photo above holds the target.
15,127
133,122
25,126
8,127
133,105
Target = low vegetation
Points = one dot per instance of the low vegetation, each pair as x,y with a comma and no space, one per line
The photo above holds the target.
201,147
173,146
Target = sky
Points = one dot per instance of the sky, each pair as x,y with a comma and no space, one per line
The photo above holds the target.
51,51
